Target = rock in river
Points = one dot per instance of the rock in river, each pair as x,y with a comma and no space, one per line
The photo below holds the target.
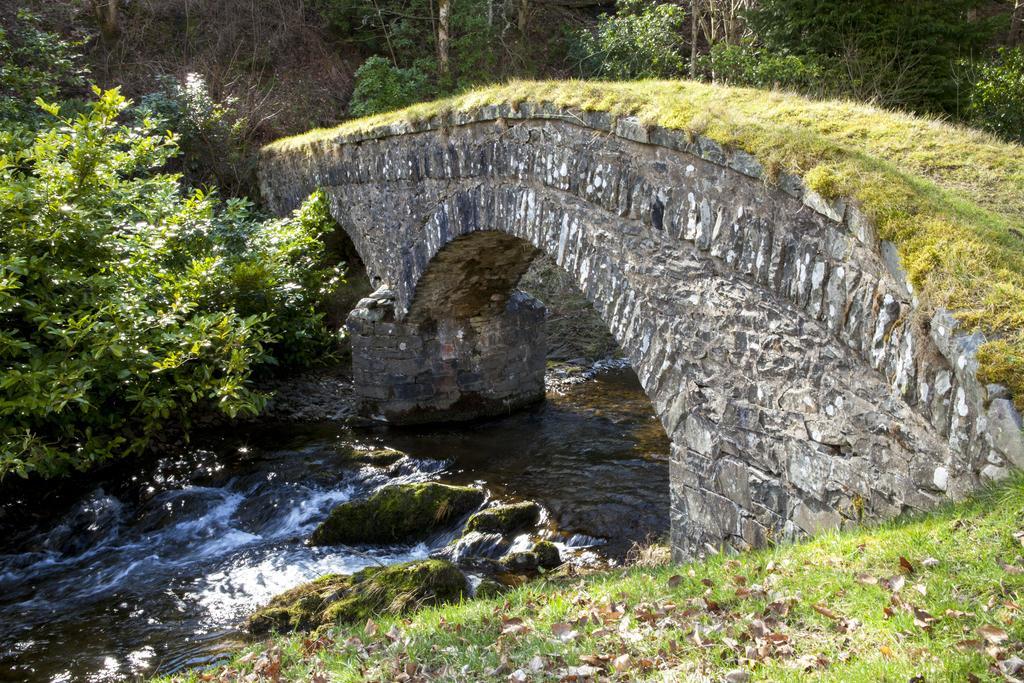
505,519
396,514
339,598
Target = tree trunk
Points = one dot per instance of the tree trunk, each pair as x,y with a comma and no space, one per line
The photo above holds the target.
1017,24
524,14
106,16
443,23
694,8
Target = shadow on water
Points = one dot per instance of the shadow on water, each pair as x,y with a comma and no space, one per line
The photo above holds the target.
153,566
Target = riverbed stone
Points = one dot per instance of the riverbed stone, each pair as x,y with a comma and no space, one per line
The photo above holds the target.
397,514
548,555
505,519
337,598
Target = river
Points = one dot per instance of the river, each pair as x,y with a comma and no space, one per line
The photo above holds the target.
152,566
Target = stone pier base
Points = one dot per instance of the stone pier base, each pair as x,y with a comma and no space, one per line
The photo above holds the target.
447,370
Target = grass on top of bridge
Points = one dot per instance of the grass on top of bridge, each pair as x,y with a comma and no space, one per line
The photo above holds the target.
950,198
933,597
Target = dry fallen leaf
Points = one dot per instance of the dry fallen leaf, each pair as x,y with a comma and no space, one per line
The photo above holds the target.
867,579
993,634
825,611
905,566
674,580
622,663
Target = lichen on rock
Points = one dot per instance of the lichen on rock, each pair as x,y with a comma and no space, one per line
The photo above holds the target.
336,598
505,519
395,514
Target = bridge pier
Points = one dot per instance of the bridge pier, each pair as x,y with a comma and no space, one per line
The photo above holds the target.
447,370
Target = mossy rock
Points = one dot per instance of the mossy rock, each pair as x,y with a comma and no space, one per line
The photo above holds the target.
505,519
521,561
334,599
395,514
547,554
489,588
378,457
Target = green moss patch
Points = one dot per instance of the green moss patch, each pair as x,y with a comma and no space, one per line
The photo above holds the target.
378,457
397,514
950,198
505,519
335,599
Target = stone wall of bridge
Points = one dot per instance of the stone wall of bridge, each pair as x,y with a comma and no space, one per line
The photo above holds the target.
780,344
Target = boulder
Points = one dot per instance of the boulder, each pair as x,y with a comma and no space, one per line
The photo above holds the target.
378,457
547,554
396,514
505,519
338,598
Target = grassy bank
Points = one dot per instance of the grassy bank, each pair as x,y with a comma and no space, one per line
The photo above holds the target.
937,597
951,198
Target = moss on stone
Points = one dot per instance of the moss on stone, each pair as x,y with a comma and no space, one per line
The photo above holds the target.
378,457
950,198
547,554
489,588
396,514
505,519
335,599
301,608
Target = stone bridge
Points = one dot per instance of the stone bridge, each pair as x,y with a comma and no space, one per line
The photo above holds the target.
777,338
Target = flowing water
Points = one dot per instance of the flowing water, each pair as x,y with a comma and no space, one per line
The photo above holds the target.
152,568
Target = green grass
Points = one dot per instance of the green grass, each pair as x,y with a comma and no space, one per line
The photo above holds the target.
951,198
676,621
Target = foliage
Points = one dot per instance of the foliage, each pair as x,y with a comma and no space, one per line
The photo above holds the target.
404,31
892,53
997,97
951,199
748,65
124,305
381,86
213,138
929,597
33,63
641,40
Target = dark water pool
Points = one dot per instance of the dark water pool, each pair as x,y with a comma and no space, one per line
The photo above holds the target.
152,569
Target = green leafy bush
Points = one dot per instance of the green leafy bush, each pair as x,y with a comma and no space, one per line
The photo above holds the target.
641,40
124,305
33,63
893,53
747,65
997,97
214,140
380,86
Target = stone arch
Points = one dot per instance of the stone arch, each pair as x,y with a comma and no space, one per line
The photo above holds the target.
774,334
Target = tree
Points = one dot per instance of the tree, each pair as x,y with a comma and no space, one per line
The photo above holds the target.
106,12
443,28
1017,24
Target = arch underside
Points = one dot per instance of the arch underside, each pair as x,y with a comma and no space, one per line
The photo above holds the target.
778,352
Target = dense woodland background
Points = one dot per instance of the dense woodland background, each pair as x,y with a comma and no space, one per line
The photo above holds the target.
139,281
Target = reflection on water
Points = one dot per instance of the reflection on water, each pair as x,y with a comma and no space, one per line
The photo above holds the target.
154,569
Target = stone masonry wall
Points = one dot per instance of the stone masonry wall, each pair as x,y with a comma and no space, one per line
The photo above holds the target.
778,340
455,369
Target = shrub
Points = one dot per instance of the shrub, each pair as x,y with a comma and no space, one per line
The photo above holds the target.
125,306
997,97
214,142
641,40
380,86
747,65
33,63
892,53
